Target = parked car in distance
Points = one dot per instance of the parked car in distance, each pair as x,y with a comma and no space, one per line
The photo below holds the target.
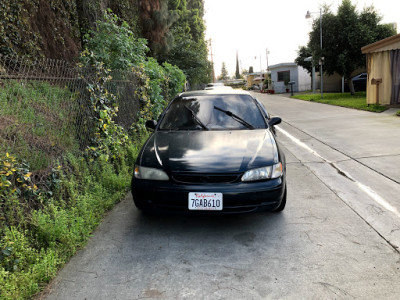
214,84
211,152
218,87
360,82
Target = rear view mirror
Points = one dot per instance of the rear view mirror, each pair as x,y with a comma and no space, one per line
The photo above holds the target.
151,124
274,121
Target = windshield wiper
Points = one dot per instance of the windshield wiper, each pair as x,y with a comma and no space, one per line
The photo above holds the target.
198,121
235,117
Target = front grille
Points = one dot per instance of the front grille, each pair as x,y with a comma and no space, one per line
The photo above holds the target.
205,178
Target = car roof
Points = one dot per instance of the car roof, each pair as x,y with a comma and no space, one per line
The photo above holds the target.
361,74
214,92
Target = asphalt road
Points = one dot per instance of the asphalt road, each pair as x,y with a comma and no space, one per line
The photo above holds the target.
336,239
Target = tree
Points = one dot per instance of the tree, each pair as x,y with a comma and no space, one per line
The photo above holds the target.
237,74
224,73
156,22
344,35
189,49
303,53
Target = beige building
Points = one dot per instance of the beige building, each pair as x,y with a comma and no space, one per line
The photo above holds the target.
383,68
255,78
336,83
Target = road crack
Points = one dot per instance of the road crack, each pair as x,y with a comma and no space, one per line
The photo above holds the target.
334,289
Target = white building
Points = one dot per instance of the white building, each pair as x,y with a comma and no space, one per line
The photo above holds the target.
285,72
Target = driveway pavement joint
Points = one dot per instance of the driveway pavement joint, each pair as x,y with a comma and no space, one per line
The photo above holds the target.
345,154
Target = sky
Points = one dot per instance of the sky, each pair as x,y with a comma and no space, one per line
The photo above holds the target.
250,27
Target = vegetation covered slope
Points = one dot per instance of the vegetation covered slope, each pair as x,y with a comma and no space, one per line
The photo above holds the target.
55,29
58,29
65,156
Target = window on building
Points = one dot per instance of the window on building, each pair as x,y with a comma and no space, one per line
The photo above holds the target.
284,76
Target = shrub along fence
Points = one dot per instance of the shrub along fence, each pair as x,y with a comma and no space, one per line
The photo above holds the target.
68,141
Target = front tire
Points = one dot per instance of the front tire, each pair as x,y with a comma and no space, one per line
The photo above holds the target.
139,204
281,206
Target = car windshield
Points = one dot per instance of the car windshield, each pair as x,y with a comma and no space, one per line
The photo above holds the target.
213,112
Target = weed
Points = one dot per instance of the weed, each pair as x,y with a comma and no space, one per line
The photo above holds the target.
83,192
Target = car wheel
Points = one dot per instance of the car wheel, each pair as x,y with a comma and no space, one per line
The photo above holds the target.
283,203
139,204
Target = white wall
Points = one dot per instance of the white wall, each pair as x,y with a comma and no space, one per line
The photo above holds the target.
304,79
279,86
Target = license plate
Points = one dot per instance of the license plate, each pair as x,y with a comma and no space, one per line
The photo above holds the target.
205,201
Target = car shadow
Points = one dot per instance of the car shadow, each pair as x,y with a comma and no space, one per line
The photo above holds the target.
208,228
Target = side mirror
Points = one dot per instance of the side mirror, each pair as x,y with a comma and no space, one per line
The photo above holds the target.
274,121
151,124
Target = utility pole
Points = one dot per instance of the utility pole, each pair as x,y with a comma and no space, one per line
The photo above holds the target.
212,60
321,60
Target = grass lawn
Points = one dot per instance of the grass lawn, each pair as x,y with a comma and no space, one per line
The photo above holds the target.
357,101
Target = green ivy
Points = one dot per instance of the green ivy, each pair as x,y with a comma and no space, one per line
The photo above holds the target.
108,135
16,35
20,35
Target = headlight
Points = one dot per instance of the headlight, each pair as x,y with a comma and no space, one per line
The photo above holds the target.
269,172
150,173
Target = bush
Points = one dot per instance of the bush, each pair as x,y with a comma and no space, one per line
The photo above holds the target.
32,251
114,45
176,80
22,267
157,84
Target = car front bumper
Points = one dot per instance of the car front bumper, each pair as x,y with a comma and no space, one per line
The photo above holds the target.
240,197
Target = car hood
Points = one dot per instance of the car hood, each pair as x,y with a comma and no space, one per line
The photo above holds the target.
209,151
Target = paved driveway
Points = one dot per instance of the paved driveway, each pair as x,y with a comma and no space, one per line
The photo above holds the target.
362,147
372,139
334,240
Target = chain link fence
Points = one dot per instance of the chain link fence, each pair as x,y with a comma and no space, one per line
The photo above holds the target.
45,108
